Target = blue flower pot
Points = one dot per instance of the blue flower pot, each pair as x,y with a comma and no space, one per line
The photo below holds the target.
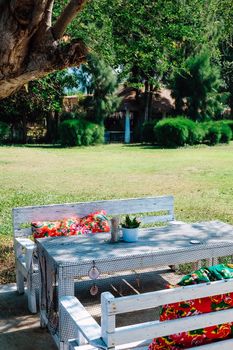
130,234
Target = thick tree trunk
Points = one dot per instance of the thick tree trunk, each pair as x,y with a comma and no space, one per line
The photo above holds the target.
30,47
146,111
148,101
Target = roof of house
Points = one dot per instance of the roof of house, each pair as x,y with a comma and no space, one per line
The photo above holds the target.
162,100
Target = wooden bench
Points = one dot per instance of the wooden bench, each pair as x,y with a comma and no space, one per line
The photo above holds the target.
92,336
25,248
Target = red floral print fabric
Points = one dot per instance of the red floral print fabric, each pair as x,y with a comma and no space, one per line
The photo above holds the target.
96,222
65,227
92,223
197,337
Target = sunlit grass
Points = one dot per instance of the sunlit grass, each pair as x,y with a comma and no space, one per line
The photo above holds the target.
200,178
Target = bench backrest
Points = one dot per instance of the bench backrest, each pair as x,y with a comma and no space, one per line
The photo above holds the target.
146,207
111,306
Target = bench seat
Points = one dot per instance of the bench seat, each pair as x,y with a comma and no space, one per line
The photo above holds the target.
137,336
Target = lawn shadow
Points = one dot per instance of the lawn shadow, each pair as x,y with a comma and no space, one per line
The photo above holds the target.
148,146
33,145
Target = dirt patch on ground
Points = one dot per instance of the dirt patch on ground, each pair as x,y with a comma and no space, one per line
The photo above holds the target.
7,261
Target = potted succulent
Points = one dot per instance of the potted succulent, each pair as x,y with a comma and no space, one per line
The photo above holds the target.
130,229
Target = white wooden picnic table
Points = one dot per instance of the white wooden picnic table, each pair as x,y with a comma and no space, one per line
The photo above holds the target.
65,259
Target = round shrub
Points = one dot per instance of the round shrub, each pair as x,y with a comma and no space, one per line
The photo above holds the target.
228,123
171,132
5,132
226,133
213,133
148,134
195,131
79,132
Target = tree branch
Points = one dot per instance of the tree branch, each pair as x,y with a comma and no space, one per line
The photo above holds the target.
44,34
67,15
38,12
48,13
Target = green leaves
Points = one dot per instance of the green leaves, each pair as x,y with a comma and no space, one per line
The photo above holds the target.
99,80
196,88
130,223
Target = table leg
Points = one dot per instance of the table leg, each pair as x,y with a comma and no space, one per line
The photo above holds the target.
65,287
42,293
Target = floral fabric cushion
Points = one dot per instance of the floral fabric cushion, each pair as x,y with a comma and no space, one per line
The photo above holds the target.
96,222
65,227
207,335
92,223
69,227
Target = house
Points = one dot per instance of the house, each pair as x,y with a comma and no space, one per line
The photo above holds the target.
125,124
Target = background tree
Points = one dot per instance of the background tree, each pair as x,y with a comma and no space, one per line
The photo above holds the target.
154,38
101,83
196,88
225,15
39,103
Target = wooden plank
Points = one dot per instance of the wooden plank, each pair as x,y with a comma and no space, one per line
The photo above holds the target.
24,232
113,207
25,243
167,296
21,267
108,322
156,329
139,345
81,318
222,344
154,219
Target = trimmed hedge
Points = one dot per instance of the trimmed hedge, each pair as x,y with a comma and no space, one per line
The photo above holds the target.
229,123
80,132
226,133
5,132
195,131
213,133
217,132
173,132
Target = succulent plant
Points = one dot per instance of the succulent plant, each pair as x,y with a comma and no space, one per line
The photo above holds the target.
130,223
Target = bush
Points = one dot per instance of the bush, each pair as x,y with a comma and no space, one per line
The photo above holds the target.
172,132
148,134
5,132
213,133
195,131
79,132
228,123
226,133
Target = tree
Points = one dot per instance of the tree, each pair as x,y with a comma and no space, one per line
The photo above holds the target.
225,14
41,100
33,44
100,82
154,38
196,88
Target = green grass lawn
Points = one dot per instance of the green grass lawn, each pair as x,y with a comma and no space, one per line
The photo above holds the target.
200,178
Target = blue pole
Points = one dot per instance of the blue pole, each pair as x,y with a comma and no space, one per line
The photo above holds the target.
127,126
